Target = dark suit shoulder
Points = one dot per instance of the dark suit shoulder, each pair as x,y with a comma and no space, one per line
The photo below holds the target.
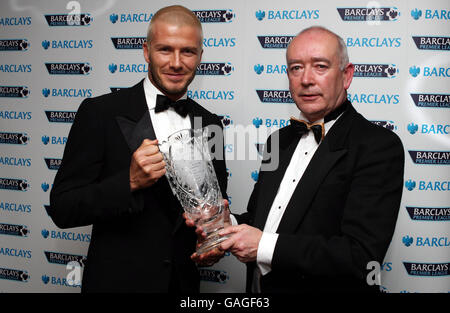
371,132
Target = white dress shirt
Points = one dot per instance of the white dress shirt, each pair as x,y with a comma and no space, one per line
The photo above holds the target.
167,122
303,154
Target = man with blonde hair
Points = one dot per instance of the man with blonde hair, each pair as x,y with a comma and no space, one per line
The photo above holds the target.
112,172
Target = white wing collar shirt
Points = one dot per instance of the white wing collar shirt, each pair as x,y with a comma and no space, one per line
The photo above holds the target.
166,122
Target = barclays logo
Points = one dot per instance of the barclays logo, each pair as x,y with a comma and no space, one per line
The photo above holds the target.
224,95
15,207
215,69
15,21
269,122
60,116
386,14
275,42
128,68
54,140
254,175
15,68
15,115
432,242
428,100
215,276
223,42
432,43
288,15
17,253
67,44
407,241
45,186
416,14
130,18
257,122
410,184
374,98
14,44
83,19
430,157
375,70
67,92
427,269
430,129
14,184
68,236
428,214
428,185
430,71
14,275
14,230
270,69
14,161
215,16
373,42
68,68
14,138
60,281
128,43
274,96
14,92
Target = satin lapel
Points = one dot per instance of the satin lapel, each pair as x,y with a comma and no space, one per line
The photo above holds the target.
272,179
329,152
136,124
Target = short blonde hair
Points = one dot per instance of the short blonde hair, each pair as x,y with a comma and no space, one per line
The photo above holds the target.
175,14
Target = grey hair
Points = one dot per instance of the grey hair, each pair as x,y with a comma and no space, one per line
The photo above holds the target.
342,48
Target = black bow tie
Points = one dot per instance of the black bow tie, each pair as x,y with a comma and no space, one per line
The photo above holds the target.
182,107
301,127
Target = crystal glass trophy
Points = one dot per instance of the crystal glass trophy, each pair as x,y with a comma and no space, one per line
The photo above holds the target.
192,178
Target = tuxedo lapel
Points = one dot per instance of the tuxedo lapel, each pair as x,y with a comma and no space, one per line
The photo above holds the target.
272,179
330,151
136,124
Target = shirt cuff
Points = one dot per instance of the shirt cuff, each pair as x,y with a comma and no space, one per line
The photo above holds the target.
265,252
234,221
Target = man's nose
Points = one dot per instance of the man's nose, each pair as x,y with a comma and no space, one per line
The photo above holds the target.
175,61
307,77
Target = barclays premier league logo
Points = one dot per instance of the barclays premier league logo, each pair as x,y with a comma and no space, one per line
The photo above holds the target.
214,276
428,214
68,68
64,258
215,69
14,230
14,138
275,42
14,184
215,16
432,42
14,44
128,43
83,19
428,100
430,157
15,275
427,269
14,91
386,14
275,96
386,124
60,116
375,70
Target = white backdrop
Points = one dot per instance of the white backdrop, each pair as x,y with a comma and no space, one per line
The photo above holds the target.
50,63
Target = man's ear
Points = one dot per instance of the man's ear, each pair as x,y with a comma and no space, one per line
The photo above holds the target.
145,49
348,75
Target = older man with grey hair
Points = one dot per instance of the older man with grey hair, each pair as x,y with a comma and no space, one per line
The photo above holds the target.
331,206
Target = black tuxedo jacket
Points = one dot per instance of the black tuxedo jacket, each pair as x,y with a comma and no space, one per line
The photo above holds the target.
139,240
342,214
